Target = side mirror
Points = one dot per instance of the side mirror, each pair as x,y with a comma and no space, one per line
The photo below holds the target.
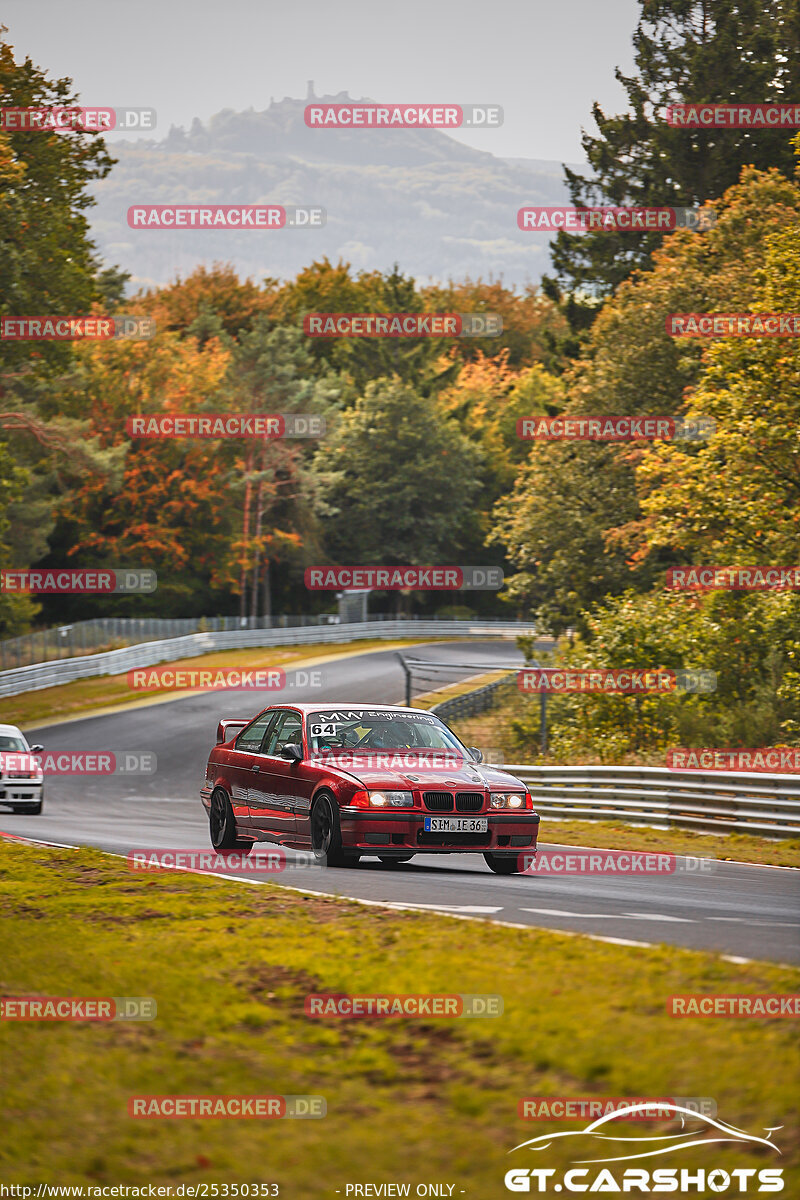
292,752
37,749
476,753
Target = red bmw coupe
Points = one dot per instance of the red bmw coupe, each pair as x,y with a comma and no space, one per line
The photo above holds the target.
349,780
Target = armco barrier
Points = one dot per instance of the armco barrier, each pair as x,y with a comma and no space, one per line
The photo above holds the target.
706,801
147,654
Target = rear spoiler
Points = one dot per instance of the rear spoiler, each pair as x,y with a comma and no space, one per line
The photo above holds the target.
230,726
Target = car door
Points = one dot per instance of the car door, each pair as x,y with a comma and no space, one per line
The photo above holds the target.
241,761
270,798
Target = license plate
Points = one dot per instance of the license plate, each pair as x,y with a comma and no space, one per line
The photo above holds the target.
456,825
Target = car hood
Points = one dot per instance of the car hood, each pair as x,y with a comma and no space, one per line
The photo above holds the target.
466,778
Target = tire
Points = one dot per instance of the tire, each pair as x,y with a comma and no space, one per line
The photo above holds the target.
503,864
222,825
33,810
390,860
326,832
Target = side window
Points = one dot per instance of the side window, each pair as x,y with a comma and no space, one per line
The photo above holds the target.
250,738
289,729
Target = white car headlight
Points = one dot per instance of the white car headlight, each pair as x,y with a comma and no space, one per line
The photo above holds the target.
507,800
391,799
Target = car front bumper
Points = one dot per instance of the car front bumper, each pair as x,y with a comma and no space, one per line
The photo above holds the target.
20,791
403,831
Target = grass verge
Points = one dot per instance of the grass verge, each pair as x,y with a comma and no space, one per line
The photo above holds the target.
407,1100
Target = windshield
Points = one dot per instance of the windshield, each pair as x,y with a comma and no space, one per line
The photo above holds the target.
9,744
363,729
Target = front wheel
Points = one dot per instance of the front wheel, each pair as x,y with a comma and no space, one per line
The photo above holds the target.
503,864
326,833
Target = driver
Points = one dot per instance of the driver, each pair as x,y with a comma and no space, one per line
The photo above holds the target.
390,735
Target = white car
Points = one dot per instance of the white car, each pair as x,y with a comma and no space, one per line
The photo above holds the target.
21,779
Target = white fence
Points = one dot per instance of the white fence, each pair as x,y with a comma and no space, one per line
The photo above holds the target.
705,801
147,654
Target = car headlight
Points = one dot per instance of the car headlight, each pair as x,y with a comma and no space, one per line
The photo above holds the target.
391,799
507,800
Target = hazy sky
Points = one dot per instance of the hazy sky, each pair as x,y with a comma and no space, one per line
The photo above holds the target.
544,61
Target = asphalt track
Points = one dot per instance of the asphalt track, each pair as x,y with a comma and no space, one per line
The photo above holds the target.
734,909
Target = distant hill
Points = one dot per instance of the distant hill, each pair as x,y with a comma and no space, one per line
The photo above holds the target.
437,207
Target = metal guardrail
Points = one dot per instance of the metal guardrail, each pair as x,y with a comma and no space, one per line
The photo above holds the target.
470,704
706,801
147,654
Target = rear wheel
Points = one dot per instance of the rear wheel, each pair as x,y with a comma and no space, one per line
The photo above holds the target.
503,864
326,833
222,825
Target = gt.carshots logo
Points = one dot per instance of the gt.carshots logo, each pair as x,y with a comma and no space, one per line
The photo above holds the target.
226,425
614,428
619,219
402,325
81,582
402,116
51,328
625,680
225,216
610,1139
392,579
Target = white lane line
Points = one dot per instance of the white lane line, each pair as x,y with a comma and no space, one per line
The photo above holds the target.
608,916
455,908
765,924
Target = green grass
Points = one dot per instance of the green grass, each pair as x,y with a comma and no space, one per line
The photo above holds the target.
615,835
409,1101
